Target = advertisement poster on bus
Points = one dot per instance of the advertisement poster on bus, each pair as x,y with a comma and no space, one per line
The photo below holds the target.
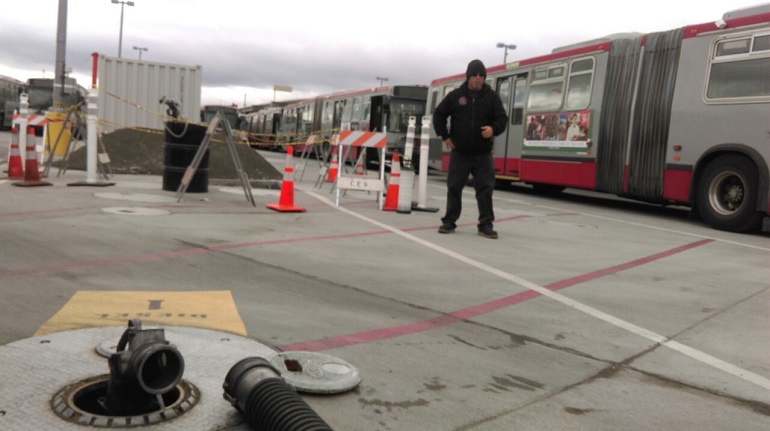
563,132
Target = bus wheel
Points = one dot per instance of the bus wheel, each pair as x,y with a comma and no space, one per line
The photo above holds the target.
727,194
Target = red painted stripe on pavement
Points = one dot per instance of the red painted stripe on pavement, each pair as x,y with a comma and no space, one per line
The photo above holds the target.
120,260
476,310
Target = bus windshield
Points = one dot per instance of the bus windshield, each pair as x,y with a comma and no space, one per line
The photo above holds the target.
40,98
230,114
401,110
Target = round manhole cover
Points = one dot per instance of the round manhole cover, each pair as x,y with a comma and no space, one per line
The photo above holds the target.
136,211
135,197
316,373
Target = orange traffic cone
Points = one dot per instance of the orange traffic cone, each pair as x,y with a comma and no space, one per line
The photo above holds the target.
391,200
15,168
334,167
286,200
31,168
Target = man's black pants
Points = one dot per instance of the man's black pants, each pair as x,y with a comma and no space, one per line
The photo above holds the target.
482,167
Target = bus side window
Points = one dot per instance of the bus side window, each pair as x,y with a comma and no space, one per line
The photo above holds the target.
547,89
519,96
579,87
739,68
504,91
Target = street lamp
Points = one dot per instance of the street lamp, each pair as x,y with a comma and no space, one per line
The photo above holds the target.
140,49
382,80
501,45
120,41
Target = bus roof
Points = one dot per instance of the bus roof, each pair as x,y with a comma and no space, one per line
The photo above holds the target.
733,19
9,79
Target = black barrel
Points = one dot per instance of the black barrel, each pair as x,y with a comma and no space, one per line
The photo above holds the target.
181,143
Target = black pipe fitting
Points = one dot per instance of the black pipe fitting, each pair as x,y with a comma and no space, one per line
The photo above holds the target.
144,368
255,388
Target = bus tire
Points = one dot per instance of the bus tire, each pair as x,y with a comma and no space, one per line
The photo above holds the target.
726,198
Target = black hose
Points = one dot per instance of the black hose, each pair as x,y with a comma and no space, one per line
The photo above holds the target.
256,389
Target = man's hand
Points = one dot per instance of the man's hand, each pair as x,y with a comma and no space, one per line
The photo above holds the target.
448,144
486,132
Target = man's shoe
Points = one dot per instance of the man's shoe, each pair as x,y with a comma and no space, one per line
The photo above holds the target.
488,233
446,228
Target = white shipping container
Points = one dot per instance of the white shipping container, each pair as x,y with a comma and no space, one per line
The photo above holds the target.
130,92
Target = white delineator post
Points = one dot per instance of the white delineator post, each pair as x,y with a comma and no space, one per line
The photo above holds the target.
91,138
406,182
422,182
23,121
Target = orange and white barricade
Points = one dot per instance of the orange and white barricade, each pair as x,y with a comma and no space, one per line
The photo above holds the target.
362,140
330,167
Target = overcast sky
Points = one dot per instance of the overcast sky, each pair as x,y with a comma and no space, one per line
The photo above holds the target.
245,47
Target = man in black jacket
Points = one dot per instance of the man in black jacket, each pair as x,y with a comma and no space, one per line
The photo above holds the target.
476,116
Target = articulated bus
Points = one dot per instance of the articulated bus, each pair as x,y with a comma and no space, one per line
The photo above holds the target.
263,127
9,99
381,109
676,117
299,120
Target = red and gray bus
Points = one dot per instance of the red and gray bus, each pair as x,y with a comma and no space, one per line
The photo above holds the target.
676,117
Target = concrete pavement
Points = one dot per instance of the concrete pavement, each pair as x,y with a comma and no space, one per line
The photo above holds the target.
587,313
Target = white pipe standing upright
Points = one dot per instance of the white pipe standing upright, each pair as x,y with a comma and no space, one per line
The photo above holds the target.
23,121
422,182
409,144
91,138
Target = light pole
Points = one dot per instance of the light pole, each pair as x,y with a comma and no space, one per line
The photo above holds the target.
382,80
140,49
501,45
120,41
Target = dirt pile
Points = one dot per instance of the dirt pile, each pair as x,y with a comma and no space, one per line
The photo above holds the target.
141,152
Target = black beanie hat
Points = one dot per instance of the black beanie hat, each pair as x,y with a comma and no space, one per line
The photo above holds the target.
475,66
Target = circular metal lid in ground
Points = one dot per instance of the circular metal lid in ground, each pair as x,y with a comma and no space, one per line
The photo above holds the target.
135,197
136,211
316,373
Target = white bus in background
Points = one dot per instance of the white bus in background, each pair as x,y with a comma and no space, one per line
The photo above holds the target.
9,99
676,117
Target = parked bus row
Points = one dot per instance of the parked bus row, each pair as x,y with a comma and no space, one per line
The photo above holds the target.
676,117
382,109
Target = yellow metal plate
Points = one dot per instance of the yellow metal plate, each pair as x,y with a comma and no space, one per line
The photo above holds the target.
207,309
